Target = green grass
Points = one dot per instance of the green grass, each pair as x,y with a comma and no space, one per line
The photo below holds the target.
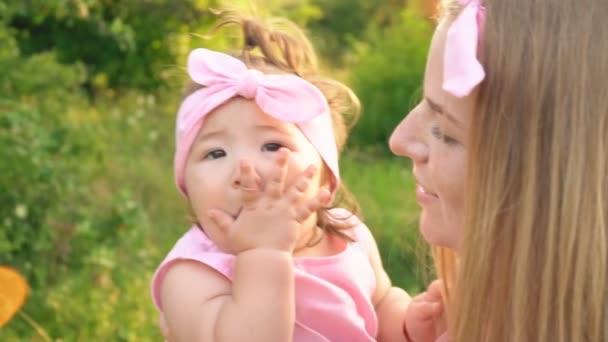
384,187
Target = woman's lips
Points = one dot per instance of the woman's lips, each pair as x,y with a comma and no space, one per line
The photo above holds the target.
425,196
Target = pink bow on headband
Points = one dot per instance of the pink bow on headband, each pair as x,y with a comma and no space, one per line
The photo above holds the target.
285,97
462,70
225,76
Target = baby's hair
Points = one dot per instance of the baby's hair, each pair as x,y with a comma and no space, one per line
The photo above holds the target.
288,51
448,9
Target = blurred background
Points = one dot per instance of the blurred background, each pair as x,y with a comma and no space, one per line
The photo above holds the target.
88,95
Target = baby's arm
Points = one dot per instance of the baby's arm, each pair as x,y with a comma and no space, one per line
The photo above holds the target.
390,302
399,317
199,304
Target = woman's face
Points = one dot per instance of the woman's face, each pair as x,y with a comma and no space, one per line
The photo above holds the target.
434,135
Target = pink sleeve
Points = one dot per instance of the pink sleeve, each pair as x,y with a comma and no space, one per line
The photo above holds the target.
364,237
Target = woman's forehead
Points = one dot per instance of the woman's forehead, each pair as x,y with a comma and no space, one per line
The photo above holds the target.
458,108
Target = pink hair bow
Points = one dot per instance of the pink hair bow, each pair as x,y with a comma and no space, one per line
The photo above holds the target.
462,70
285,97
225,76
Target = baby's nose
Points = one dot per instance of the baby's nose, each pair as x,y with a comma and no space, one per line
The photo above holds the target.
250,176
236,176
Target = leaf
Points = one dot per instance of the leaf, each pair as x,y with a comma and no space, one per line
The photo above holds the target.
13,291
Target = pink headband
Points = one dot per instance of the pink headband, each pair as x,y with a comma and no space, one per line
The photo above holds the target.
285,97
462,71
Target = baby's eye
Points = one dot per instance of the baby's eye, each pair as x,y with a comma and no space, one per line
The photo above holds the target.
215,154
271,147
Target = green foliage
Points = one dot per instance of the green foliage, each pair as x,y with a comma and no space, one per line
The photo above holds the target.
74,233
384,190
88,207
31,176
344,22
123,44
387,76
76,219
114,40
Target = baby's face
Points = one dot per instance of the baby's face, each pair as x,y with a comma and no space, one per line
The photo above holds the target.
233,132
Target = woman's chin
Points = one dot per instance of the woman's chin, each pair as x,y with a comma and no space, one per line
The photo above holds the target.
436,231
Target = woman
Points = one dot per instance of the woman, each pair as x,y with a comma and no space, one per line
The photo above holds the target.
510,151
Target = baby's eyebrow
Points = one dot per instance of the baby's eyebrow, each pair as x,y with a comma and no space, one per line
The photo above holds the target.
209,135
440,110
274,128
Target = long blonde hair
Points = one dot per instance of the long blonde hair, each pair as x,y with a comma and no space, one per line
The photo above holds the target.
533,259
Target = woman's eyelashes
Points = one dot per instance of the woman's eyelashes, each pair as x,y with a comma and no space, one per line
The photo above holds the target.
437,133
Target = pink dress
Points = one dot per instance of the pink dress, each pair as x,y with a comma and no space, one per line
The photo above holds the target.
333,294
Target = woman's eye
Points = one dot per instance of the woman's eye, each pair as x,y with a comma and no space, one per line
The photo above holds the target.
437,133
271,147
215,154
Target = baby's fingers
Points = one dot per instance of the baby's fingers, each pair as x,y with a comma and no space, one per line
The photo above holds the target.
250,189
295,193
277,178
423,311
221,219
434,291
318,202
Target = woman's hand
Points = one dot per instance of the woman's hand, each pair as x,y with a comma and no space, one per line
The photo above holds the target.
271,215
424,316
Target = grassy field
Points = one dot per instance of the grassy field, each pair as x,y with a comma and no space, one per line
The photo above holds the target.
384,187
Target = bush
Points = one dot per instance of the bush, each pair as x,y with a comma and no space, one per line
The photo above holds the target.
73,225
68,223
38,157
387,76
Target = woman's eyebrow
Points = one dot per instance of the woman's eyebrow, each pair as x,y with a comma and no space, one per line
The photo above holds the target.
440,110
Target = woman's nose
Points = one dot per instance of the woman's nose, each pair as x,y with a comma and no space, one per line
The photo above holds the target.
409,138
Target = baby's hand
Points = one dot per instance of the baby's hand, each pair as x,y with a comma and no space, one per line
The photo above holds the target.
423,317
271,216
